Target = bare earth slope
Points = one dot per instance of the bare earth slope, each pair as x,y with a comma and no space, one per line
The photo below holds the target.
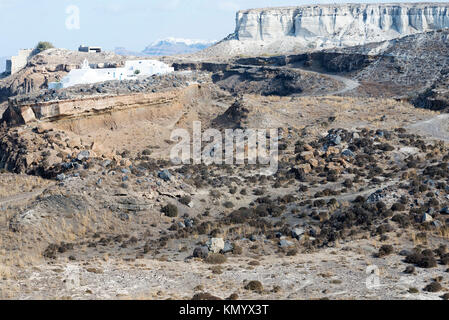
91,207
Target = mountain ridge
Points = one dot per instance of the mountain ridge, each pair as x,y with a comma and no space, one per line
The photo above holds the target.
168,47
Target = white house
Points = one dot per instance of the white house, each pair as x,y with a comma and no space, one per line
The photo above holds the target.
131,70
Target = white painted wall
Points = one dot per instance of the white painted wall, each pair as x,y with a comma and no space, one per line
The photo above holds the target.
86,75
147,67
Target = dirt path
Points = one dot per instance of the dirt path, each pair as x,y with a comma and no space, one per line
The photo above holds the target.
353,195
21,197
349,83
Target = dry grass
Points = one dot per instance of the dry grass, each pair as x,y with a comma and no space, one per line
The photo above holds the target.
13,184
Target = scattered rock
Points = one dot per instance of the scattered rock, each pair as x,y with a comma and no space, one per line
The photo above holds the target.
83,155
348,153
165,175
201,252
334,139
426,218
286,244
297,233
188,223
228,247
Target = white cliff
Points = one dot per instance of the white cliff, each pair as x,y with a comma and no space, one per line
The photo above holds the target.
293,29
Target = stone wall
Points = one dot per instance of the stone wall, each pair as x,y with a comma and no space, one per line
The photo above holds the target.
17,63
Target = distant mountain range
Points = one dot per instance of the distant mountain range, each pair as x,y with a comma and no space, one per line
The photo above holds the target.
168,47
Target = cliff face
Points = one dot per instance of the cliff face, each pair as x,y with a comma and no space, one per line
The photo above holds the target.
325,26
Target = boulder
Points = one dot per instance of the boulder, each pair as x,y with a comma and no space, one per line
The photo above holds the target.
188,223
307,155
332,150
334,166
215,245
201,252
437,224
181,225
286,244
405,253
308,147
83,155
426,218
334,139
304,168
228,247
348,153
297,233
314,163
165,175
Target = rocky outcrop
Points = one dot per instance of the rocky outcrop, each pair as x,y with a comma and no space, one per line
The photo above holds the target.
311,27
437,96
66,109
414,67
42,146
81,100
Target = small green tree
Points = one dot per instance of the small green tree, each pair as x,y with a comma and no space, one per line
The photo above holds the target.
137,72
43,45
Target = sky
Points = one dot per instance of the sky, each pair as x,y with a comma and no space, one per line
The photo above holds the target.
132,24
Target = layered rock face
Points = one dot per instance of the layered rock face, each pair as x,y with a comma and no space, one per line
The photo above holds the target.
324,26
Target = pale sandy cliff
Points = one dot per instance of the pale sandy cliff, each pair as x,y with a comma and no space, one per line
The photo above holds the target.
302,28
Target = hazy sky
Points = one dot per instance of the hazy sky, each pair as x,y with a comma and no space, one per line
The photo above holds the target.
113,23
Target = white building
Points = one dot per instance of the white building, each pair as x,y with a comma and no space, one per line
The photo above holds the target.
131,70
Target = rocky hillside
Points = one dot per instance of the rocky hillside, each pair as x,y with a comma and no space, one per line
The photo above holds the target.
293,29
415,65
48,66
